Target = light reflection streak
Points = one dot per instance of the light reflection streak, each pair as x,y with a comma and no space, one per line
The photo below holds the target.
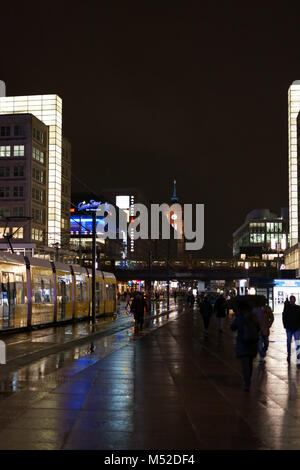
55,368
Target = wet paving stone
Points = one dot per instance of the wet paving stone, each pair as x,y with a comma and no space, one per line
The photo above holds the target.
169,388
60,423
99,440
12,438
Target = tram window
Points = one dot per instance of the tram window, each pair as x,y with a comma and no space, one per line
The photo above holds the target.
42,290
110,289
64,287
8,289
81,290
20,297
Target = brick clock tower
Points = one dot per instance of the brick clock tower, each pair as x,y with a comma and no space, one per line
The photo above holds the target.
176,221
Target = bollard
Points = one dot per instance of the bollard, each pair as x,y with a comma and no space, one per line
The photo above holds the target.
2,352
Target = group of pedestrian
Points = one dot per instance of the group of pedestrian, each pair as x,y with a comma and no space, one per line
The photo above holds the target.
252,326
220,308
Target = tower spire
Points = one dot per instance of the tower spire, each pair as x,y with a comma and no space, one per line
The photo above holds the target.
174,198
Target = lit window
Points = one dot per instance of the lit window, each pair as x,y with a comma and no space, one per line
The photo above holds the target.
38,155
19,150
257,237
4,150
17,232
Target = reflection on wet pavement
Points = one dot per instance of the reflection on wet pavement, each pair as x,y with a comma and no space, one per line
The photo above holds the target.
21,345
99,348
166,387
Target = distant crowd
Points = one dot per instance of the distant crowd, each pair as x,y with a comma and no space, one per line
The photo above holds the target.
252,320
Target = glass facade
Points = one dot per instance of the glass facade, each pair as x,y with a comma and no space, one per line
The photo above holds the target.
258,237
293,111
47,108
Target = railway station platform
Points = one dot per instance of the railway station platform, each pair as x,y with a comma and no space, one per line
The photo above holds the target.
167,387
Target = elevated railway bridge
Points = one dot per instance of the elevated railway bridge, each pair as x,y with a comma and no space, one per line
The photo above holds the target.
205,270
260,279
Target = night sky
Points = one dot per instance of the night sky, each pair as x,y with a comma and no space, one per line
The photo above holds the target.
154,92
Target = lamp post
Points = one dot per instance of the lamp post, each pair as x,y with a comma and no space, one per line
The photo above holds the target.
94,267
92,208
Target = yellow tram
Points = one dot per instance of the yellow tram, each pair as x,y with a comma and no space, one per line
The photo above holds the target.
37,292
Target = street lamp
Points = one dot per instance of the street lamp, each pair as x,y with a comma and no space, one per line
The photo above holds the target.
247,266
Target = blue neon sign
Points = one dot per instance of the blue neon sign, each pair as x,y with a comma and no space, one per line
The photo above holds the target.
92,205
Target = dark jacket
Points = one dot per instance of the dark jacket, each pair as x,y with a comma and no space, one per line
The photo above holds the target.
221,307
206,308
138,304
265,319
247,327
291,317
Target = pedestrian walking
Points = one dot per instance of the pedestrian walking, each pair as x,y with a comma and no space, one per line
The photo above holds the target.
221,307
291,323
265,319
138,306
190,299
127,299
247,327
206,311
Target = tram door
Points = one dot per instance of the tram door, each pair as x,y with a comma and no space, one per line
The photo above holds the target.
8,297
63,296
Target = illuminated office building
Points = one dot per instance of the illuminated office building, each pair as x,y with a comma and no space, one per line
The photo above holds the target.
263,237
65,192
293,111
48,109
292,258
23,181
